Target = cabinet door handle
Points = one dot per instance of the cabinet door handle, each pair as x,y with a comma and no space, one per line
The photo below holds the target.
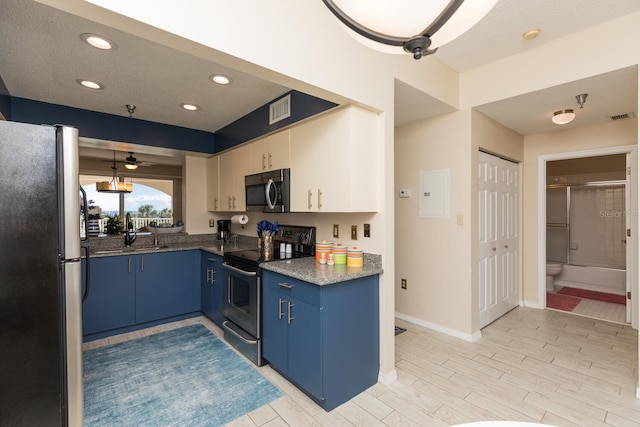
229,202
289,318
234,202
215,203
129,267
264,161
270,164
213,277
280,313
285,285
211,259
142,263
209,275
319,198
309,195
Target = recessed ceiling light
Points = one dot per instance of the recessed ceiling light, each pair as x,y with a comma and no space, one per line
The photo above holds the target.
98,41
190,107
89,84
220,79
531,34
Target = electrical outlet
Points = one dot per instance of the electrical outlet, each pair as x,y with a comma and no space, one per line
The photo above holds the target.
336,231
367,230
354,232
212,222
403,283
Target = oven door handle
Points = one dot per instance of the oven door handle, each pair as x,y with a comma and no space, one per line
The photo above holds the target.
225,325
267,194
240,271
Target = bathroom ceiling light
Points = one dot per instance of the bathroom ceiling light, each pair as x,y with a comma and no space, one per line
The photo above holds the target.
562,117
190,107
414,26
90,84
97,41
220,79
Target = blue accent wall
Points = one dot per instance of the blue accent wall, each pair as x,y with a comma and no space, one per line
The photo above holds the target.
256,123
5,100
92,124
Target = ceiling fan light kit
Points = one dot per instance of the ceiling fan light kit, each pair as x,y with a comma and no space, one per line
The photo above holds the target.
414,26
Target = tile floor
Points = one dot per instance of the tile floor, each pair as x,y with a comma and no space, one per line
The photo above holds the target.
530,365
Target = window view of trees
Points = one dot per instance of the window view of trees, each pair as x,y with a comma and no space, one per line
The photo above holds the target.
150,201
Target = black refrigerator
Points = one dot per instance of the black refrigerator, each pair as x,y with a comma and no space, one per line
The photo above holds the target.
40,277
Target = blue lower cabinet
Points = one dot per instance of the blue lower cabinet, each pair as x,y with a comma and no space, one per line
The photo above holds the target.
165,285
131,290
110,303
324,339
212,287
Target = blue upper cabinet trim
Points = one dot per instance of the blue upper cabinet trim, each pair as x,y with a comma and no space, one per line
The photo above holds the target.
92,124
5,100
256,123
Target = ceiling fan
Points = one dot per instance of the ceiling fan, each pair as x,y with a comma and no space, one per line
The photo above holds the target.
132,163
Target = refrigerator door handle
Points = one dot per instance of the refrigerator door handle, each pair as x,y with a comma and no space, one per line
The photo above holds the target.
84,218
87,274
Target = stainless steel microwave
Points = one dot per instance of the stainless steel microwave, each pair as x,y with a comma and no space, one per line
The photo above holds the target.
268,191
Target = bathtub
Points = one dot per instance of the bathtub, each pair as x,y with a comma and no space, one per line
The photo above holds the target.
600,279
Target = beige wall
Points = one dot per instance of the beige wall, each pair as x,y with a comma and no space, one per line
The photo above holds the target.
436,256
612,134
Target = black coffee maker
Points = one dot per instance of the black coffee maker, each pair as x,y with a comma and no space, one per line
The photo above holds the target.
224,229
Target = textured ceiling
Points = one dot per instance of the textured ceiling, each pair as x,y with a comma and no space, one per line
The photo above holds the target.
42,55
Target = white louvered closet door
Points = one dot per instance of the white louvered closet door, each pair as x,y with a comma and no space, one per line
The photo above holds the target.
498,199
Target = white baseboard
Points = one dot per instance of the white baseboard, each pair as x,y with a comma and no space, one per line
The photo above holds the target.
532,304
439,328
387,378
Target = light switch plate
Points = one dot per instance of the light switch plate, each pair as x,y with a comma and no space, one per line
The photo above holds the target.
367,230
336,231
212,222
354,232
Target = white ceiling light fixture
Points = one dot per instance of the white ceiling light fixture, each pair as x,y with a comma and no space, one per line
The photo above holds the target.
90,84
562,117
189,107
220,79
97,41
415,26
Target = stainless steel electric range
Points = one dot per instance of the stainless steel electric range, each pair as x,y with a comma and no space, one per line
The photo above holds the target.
243,292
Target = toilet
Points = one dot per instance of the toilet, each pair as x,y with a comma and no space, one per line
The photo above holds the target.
553,269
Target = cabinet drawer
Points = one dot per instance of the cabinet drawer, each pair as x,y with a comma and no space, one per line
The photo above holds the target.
293,288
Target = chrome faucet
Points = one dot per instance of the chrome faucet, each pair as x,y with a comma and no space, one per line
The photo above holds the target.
129,238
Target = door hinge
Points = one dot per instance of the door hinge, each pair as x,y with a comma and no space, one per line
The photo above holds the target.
628,232
629,295
629,170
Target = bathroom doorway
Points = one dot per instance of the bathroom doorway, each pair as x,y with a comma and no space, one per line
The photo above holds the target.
588,216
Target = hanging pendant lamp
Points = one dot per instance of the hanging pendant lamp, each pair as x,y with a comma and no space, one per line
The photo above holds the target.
115,185
418,27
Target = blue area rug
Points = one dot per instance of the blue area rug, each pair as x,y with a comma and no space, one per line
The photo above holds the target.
182,377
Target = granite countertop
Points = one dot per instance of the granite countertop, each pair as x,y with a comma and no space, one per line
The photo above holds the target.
217,248
309,270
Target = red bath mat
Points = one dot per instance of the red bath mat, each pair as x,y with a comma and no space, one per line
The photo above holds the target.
562,302
598,296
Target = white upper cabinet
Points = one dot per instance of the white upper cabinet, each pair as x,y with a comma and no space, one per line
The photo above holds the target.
270,153
233,167
333,161
213,184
